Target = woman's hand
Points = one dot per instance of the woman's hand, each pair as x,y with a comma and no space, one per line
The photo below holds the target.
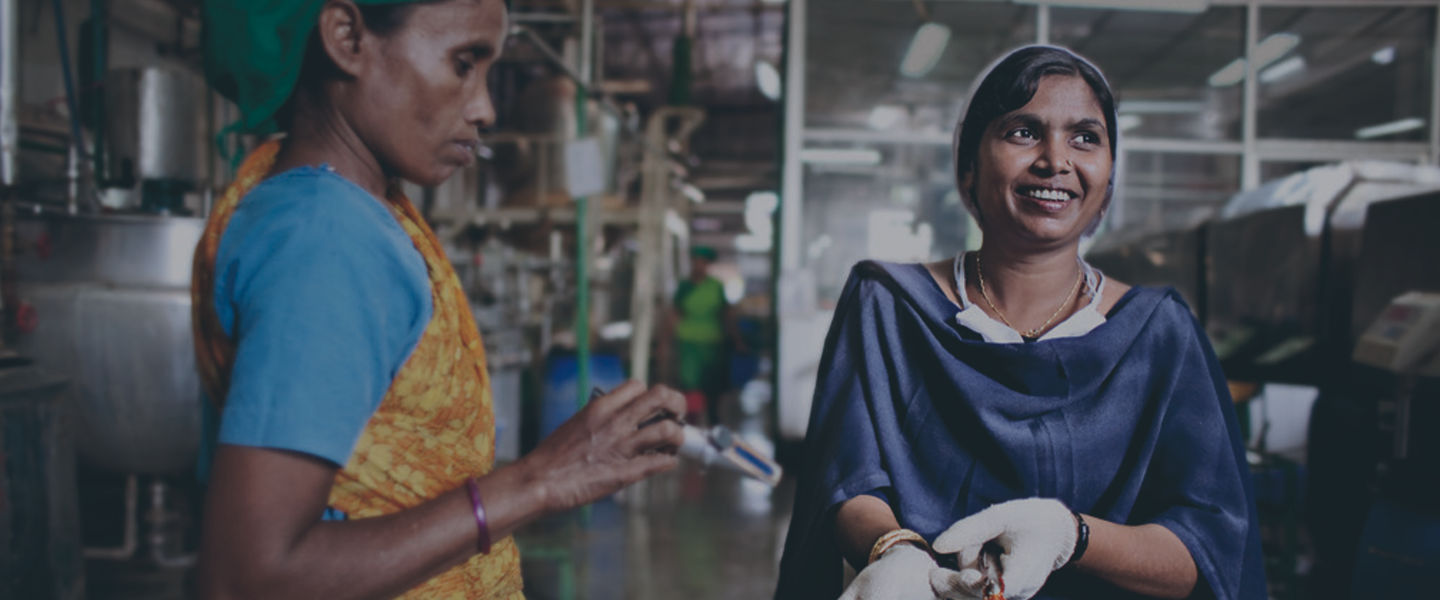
1037,536
906,572
603,448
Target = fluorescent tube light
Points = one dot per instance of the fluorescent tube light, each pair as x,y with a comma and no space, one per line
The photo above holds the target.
1391,128
925,50
693,193
1384,56
1185,6
1229,75
1275,46
885,116
1283,69
1160,107
1128,122
767,78
840,156
1267,51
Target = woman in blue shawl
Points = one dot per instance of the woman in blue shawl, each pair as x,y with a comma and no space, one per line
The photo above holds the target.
1016,400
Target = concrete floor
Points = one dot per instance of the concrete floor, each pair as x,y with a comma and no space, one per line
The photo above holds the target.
691,533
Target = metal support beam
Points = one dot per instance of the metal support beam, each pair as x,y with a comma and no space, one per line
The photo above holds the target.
1435,93
655,206
583,219
1042,24
9,89
1250,105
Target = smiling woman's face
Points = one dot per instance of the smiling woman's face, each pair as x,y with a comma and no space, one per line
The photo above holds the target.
1042,172
423,98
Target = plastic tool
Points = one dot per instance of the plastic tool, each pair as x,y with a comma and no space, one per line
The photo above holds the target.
718,446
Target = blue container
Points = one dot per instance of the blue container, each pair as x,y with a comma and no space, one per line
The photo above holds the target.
559,401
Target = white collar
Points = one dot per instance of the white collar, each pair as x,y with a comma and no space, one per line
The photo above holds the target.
1083,321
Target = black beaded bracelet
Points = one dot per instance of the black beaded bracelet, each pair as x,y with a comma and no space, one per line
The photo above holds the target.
1082,538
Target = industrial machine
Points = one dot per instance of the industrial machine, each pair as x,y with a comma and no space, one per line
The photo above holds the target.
1326,279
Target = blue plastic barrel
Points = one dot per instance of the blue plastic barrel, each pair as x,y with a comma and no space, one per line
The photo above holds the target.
558,402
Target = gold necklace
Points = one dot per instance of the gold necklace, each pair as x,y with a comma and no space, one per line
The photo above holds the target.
1031,333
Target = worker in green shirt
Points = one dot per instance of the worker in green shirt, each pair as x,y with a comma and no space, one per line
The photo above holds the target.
704,330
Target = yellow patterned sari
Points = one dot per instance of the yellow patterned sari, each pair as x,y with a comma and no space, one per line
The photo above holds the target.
435,426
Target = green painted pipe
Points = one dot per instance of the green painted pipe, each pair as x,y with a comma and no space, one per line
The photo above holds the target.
582,274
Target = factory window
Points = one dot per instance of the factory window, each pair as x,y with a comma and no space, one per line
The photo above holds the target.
1159,191
1271,170
901,208
1162,67
1345,73
888,66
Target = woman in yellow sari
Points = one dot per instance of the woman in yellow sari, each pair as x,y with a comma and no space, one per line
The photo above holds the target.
356,441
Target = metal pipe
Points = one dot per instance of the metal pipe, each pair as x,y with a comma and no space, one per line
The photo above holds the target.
9,89
587,42
550,54
1250,167
61,39
541,18
583,217
126,549
1435,93
9,149
72,179
100,63
158,520
1042,24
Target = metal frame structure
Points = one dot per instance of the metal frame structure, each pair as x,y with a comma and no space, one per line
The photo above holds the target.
1251,148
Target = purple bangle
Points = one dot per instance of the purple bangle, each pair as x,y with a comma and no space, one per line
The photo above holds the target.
480,524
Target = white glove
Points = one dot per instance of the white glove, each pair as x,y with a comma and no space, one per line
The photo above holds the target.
1036,535
906,572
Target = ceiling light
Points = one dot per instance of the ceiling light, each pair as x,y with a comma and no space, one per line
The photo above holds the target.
925,50
841,156
1274,46
1187,6
1229,75
1283,69
1267,51
885,116
1391,128
1384,56
767,78
1128,122
693,193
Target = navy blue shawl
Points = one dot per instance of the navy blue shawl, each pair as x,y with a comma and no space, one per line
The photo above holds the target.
1131,422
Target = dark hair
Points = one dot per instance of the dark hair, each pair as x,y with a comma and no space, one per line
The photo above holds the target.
1010,84
380,19
385,19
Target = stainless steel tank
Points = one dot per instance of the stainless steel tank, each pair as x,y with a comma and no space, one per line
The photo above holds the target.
111,302
154,124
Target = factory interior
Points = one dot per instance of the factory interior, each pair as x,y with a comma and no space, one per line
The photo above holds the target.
1278,166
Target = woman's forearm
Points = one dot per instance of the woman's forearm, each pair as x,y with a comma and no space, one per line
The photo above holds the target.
1148,559
858,523
362,558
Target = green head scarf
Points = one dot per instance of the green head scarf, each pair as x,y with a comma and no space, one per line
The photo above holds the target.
705,252
254,50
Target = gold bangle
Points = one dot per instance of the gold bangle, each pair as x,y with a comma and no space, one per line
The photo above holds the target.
889,540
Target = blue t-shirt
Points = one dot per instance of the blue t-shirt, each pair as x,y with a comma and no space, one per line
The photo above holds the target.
325,297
